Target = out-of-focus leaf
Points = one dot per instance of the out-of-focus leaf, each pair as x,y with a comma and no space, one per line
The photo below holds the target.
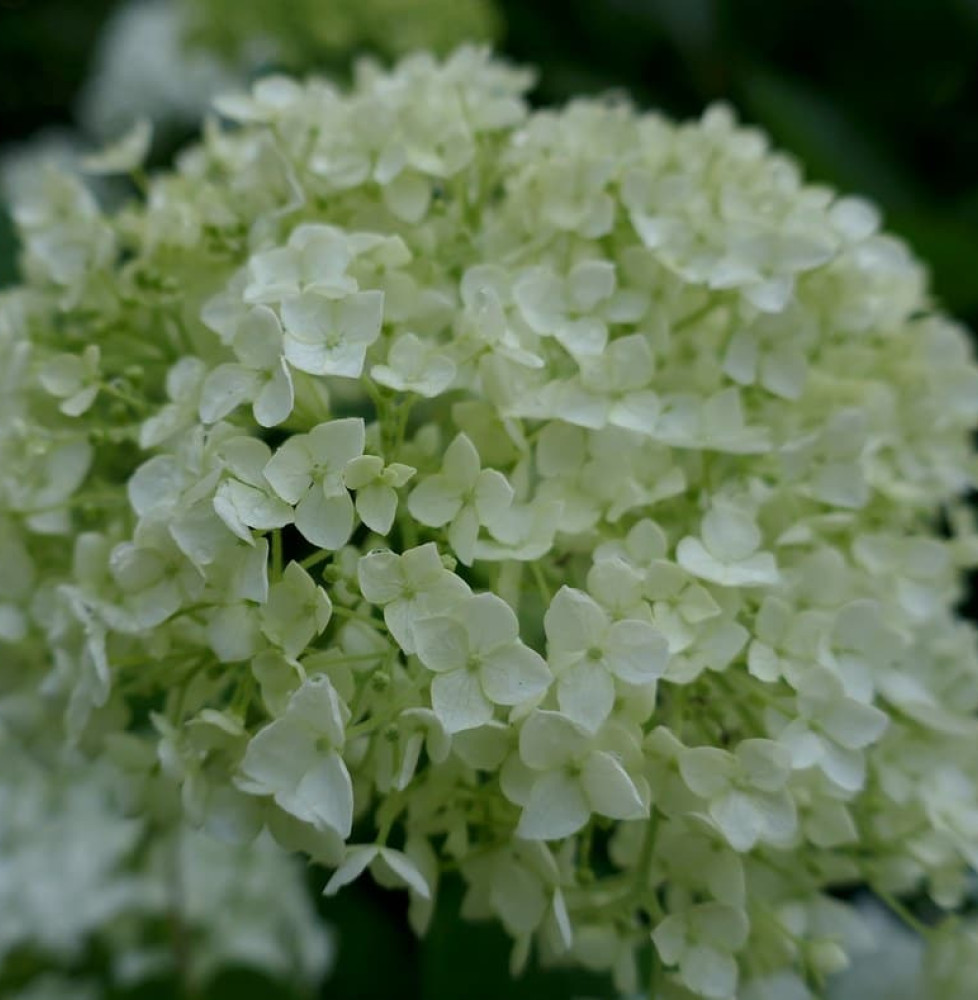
376,953
950,248
8,250
471,960
832,146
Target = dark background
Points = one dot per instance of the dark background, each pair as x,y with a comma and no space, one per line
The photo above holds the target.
878,97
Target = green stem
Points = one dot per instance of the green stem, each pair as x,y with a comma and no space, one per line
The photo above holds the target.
901,911
315,559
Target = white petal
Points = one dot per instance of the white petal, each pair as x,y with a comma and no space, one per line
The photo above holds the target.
489,622
377,506
709,973
337,442
461,463
442,643
408,196
518,896
434,501
463,533
853,725
325,521
405,870
274,402
586,693
379,575
276,758
707,771
739,819
636,652
549,740
513,674
609,789
493,494
459,702
252,506
224,389
574,621
356,862
325,796
288,471
556,808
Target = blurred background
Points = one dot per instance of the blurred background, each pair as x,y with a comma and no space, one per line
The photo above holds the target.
877,97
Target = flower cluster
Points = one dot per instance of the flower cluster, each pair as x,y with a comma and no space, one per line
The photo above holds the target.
552,497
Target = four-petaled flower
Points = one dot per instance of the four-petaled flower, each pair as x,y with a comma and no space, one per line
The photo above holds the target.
587,651
479,661
307,471
463,496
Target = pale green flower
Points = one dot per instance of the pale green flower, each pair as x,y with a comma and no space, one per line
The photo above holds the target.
702,942
570,777
307,472
479,661
413,366
831,730
73,380
726,551
745,791
587,651
324,336
463,496
296,759
375,485
295,611
260,375
409,587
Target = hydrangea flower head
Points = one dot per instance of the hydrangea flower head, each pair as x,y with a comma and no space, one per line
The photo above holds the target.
548,496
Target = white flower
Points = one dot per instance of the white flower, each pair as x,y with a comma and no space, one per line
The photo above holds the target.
702,942
479,661
260,375
413,366
587,651
330,337
726,551
462,495
387,866
295,611
745,790
409,587
73,379
565,308
315,260
307,472
831,729
375,485
296,759
570,776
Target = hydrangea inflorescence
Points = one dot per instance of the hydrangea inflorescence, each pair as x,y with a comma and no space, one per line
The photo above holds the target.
552,497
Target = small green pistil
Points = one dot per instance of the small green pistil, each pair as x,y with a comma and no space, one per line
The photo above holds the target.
473,663
595,654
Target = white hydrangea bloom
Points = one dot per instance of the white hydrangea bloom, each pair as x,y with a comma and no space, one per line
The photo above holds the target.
653,435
